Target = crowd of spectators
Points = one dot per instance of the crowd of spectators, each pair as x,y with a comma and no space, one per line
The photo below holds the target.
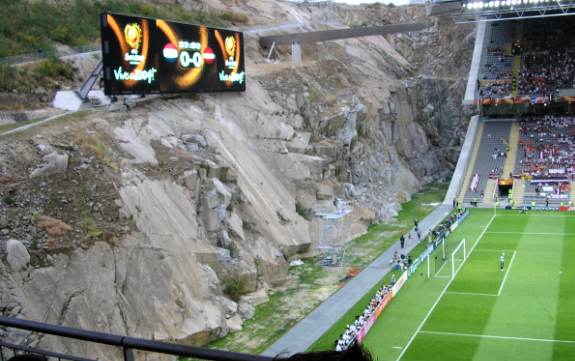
547,52
545,71
496,79
548,152
352,330
548,61
400,261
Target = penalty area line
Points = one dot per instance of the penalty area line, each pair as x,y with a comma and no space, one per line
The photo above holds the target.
470,294
533,233
537,215
494,250
515,338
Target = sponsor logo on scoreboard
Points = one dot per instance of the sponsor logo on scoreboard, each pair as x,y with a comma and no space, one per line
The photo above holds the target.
133,37
230,47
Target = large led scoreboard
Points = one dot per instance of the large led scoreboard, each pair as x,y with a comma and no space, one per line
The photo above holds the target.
143,55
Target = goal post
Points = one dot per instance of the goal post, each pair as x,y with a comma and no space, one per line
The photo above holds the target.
459,251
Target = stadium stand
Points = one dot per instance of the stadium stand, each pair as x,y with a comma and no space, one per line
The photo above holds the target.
548,59
534,58
490,158
496,66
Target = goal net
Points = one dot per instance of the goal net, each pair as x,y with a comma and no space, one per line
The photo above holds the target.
458,256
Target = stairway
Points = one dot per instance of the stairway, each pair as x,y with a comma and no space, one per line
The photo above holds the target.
518,190
490,188
516,67
471,163
513,143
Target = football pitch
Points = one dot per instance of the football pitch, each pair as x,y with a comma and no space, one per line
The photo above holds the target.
525,312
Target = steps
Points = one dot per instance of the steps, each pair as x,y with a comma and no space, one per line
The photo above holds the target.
518,191
516,74
513,143
471,163
490,188
516,68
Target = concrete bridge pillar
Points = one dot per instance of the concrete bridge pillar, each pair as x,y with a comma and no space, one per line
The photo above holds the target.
295,52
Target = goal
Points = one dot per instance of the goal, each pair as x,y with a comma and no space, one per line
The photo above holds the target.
458,256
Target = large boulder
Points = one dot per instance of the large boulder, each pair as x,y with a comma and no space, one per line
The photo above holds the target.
17,255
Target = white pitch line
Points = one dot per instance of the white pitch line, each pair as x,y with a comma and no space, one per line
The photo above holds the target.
443,292
506,274
494,250
470,294
496,337
535,233
536,215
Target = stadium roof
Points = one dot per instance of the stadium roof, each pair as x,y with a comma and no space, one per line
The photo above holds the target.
496,10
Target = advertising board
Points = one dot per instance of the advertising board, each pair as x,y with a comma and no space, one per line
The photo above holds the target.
399,283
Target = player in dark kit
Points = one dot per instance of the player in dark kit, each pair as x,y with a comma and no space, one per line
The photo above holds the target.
502,261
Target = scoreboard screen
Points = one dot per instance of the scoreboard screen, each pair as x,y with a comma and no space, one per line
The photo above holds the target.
143,56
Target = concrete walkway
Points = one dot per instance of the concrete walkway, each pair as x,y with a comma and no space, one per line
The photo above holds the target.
311,328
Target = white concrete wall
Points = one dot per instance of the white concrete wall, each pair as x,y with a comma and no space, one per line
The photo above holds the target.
471,89
462,162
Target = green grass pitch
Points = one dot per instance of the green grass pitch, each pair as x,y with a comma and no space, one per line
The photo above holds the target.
525,312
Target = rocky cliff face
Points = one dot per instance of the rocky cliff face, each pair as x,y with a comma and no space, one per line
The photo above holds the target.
151,222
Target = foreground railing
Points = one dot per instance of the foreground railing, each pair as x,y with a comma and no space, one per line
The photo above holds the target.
127,344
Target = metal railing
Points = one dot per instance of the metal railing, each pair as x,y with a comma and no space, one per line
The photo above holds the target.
37,351
127,344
